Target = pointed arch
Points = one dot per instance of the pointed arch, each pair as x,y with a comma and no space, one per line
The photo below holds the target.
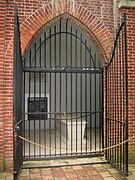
87,21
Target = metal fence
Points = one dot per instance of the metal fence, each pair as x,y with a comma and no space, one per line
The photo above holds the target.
117,102
62,94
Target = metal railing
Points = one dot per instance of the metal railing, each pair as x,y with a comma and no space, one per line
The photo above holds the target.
117,102
61,65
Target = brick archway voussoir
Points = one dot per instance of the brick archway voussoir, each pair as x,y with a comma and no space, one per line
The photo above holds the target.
96,27
45,14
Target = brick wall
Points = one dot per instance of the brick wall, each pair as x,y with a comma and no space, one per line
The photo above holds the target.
131,77
2,54
95,17
33,14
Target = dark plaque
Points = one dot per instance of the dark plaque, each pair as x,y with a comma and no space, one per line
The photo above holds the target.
38,108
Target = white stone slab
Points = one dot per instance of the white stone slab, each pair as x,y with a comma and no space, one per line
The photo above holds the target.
71,130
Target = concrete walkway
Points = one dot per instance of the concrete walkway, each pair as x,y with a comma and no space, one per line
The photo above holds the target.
79,172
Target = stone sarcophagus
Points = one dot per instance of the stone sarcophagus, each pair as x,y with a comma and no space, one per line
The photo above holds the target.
71,128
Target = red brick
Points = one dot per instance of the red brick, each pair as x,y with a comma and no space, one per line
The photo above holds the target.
96,18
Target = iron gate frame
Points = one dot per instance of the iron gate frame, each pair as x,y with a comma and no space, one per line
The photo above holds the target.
116,78
17,98
17,91
95,69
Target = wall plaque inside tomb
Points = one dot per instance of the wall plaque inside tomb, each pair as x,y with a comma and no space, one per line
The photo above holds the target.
37,107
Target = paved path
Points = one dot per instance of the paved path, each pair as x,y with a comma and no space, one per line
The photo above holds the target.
80,172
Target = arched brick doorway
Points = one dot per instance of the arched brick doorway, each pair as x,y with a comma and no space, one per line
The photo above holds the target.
37,68
101,38
63,94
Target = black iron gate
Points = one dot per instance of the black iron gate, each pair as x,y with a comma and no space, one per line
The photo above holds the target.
17,97
62,95
117,103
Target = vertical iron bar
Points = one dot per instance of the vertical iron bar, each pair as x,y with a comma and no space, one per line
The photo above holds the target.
40,52
40,97
81,86
106,111
50,124
66,83
60,43
29,100
117,133
100,108
76,87
110,128
60,114
60,78
86,94
71,89
35,133
120,102
66,42
55,88
91,105
126,76
46,116
108,114
66,102
102,94
108,118
113,114
115,106
45,49
55,111
111,106
123,89
95,102
24,78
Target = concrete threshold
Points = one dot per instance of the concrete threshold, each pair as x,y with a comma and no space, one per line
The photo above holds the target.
63,162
